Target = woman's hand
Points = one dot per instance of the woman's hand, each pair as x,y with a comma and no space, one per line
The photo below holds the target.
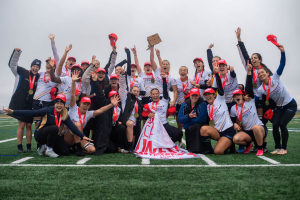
238,33
17,49
157,52
51,37
51,62
88,139
211,46
280,47
151,115
68,48
7,111
115,100
193,114
236,127
134,50
94,76
75,75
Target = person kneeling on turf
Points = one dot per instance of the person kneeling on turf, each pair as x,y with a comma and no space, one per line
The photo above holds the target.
192,115
48,129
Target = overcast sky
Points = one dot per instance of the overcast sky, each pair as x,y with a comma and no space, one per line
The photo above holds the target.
185,27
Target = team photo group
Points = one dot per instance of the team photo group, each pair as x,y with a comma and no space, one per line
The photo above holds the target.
87,107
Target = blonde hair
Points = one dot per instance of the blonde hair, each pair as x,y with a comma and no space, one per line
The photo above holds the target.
64,114
166,61
185,67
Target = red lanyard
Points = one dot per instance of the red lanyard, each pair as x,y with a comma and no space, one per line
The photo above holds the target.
211,111
79,115
67,71
116,113
31,82
223,84
154,107
136,106
198,76
56,119
78,88
148,74
255,75
269,88
132,82
46,80
237,111
185,86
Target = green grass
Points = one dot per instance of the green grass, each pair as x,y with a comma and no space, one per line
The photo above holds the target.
27,182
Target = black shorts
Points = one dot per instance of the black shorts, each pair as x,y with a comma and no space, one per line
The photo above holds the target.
259,104
36,104
228,133
251,134
177,108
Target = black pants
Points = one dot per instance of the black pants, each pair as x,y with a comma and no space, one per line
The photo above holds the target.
47,135
281,117
117,139
89,126
193,139
61,147
174,133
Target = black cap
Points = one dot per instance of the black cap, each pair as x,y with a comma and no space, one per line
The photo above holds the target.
36,62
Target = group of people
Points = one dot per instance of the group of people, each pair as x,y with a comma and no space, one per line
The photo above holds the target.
88,109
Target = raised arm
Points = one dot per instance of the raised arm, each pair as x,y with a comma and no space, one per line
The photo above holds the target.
242,49
232,72
27,113
62,61
159,58
153,63
114,102
100,97
210,57
123,89
13,61
136,60
128,61
75,78
165,86
282,60
52,75
249,84
86,77
109,68
53,46
219,85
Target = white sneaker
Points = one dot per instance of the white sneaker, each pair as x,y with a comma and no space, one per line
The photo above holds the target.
51,154
123,151
41,150
282,152
275,151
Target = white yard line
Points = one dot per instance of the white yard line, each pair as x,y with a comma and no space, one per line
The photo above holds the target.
9,125
269,160
207,160
82,161
1,141
21,160
51,165
145,161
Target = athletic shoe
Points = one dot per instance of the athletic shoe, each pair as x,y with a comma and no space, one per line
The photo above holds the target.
209,151
29,150
247,150
123,151
80,153
260,152
131,150
282,152
21,151
265,149
254,150
41,150
240,150
51,154
275,151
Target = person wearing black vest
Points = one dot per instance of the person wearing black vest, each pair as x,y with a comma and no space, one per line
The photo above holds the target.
23,92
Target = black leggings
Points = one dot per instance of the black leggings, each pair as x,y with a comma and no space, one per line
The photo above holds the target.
281,117
47,135
117,139
174,133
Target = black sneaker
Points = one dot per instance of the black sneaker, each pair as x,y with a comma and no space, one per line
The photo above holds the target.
21,150
208,151
29,150
254,150
131,150
80,153
71,150
265,149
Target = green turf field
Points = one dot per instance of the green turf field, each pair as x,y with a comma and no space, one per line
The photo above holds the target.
123,176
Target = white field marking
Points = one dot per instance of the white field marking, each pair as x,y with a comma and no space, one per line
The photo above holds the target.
207,160
9,125
183,141
184,166
21,160
82,161
145,161
2,141
269,160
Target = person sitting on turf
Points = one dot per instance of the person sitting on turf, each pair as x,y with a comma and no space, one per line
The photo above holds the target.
80,116
250,127
48,129
192,115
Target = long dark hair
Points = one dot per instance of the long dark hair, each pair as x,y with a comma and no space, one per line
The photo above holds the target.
262,64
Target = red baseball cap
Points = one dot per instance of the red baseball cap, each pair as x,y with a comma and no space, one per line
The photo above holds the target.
268,115
209,90
52,60
146,110
52,93
194,91
85,62
273,39
61,97
237,91
113,39
112,93
147,63
86,100
133,65
171,111
71,57
76,65
222,61
101,70
114,76
197,59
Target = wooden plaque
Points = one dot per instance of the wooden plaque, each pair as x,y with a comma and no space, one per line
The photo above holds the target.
154,39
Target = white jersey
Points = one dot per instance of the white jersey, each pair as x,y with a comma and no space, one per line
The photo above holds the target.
138,82
43,89
180,96
161,109
148,85
249,117
205,76
73,114
64,72
119,113
221,118
67,81
277,92
159,81
230,85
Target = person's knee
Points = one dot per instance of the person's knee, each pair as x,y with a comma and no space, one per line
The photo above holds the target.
90,149
22,125
130,124
203,131
28,126
218,151
78,125
236,139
